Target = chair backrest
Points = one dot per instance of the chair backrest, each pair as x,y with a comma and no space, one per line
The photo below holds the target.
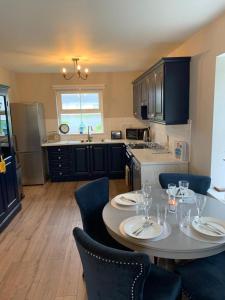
91,199
199,184
111,274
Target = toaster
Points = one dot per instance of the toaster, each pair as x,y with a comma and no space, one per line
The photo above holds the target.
116,135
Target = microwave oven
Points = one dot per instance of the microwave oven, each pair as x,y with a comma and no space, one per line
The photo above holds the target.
135,133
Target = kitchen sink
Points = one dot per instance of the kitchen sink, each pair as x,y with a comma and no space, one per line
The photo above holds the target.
149,145
138,146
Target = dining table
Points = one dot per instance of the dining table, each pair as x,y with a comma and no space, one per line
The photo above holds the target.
175,243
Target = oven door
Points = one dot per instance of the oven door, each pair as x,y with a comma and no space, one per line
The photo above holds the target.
129,171
136,175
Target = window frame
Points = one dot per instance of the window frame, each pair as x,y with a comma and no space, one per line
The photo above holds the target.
84,89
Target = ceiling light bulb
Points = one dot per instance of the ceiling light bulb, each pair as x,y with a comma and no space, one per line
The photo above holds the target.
64,70
86,70
78,67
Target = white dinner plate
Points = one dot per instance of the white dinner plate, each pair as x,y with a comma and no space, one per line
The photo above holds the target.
204,229
188,193
124,199
133,223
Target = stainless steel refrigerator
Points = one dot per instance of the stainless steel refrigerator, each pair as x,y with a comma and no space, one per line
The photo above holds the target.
29,133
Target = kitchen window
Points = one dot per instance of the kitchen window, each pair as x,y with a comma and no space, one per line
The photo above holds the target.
80,108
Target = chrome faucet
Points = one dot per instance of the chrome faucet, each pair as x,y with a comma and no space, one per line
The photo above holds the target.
89,136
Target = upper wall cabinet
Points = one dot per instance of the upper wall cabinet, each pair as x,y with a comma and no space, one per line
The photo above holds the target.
161,94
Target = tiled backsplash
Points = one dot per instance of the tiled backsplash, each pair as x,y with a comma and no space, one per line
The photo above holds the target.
109,125
159,132
174,132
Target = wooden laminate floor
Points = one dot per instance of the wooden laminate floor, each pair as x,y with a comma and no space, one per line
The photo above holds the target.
38,256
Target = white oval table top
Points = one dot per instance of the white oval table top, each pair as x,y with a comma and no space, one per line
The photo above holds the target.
177,245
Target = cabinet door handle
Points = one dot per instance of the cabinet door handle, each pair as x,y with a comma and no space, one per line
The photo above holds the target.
60,173
60,165
90,147
59,149
59,157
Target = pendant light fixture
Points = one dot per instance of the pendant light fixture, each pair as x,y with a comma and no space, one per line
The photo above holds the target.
76,71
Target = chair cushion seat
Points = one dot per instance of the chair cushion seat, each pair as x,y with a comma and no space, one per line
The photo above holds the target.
204,279
162,285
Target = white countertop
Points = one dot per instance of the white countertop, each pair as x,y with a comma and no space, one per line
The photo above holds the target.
67,143
154,157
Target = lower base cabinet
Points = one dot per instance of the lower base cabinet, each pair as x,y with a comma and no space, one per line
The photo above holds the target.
9,198
116,154
89,161
81,162
84,162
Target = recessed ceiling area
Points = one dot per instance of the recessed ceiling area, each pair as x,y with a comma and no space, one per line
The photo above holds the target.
107,35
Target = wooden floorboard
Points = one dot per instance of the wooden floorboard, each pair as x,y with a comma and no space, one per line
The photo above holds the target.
39,259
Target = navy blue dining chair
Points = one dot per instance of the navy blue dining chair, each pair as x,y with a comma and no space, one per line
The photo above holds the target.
113,274
91,199
204,279
199,184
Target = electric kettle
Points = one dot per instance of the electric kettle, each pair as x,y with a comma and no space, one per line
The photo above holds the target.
146,136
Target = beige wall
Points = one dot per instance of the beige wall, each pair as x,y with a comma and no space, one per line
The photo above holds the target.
8,78
117,92
117,96
204,46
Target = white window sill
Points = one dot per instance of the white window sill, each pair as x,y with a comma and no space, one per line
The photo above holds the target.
78,134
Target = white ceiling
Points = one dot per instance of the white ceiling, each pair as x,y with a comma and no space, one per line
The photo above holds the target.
108,35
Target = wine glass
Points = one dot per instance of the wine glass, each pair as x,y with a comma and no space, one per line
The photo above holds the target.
183,186
172,189
147,208
140,210
146,189
200,201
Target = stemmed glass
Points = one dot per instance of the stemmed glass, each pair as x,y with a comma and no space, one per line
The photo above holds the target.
147,200
172,188
200,201
147,208
183,186
146,189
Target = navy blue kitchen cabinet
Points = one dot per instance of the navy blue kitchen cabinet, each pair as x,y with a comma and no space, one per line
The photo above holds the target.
166,87
3,205
90,161
60,163
86,161
98,159
9,180
9,196
81,162
116,160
